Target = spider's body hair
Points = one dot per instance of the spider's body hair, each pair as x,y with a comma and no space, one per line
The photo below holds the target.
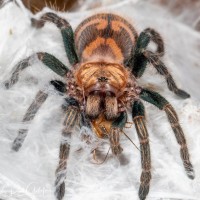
105,37
103,43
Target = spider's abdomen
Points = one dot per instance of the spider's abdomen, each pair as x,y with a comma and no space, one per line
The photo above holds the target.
105,37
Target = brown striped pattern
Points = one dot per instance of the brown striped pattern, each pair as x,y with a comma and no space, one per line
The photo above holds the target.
105,35
145,156
111,107
71,120
174,122
114,141
17,69
93,105
71,117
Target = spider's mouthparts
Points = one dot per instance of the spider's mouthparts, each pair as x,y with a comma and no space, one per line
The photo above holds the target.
98,102
102,88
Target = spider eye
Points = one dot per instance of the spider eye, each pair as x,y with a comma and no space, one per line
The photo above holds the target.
102,79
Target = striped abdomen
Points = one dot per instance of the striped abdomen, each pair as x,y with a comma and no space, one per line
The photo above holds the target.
105,37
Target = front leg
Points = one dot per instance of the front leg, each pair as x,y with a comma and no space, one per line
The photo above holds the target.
138,114
71,119
114,135
66,31
49,60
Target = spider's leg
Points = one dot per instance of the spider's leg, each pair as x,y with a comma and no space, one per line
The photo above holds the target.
59,86
141,57
66,31
4,2
30,114
138,114
49,60
160,102
114,135
71,119
40,98
138,61
162,70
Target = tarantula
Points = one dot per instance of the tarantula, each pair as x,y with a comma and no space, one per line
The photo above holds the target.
107,57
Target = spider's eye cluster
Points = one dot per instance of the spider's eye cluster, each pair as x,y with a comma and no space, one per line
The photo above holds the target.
103,77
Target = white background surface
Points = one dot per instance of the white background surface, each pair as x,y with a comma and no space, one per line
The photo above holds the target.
29,174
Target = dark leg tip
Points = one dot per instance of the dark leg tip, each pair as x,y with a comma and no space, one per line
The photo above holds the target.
16,146
7,85
37,23
59,86
182,94
191,174
60,191
117,150
143,191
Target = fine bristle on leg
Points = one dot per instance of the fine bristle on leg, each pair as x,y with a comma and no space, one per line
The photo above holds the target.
138,61
17,69
62,166
162,70
114,137
71,119
173,119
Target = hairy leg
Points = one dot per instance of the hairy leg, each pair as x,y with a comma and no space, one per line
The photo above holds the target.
138,114
162,70
49,60
71,119
40,98
30,114
66,31
138,61
160,102
141,57
4,2
114,135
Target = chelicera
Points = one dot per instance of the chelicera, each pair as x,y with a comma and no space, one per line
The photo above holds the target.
107,57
